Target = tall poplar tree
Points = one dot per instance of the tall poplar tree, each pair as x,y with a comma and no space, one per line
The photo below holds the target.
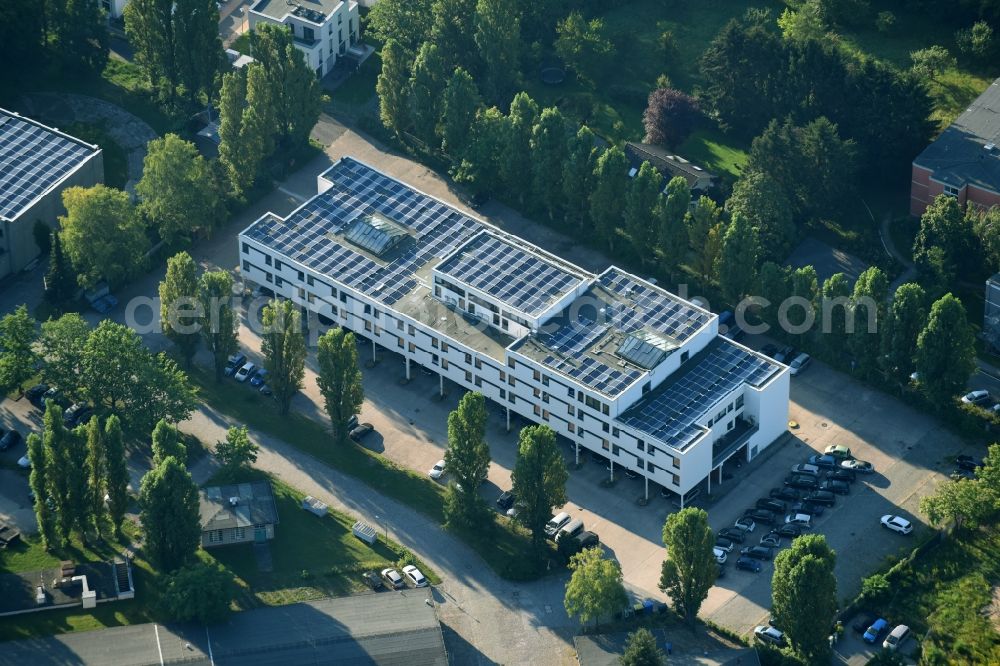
467,460
393,86
339,379
117,478
284,349
215,289
179,305
607,199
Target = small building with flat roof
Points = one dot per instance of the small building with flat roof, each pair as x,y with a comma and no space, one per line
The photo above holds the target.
323,30
237,513
37,163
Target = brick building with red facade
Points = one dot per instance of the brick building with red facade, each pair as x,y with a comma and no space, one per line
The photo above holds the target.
964,161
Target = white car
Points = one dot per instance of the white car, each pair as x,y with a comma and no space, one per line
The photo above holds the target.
897,524
415,576
799,363
392,577
768,634
805,468
720,555
976,397
245,372
437,471
862,466
800,519
23,462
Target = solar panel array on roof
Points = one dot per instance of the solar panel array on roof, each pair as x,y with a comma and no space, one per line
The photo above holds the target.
641,305
310,234
512,275
32,160
670,414
637,350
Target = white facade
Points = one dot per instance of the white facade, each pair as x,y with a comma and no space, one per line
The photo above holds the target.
519,366
323,30
114,8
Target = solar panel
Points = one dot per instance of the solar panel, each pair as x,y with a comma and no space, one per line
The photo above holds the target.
33,159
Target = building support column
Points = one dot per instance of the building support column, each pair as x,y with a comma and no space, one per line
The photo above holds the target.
576,446
508,418
646,479
612,470
720,473
682,501
710,482
407,360
441,384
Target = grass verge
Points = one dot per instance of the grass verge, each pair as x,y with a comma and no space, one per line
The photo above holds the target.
506,549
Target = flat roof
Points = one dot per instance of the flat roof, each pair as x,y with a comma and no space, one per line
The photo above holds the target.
278,9
670,412
585,341
523,279
236,505
34,159
959,156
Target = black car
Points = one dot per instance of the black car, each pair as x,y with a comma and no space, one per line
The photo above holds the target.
733,534
807,507
748,564
769,350
863,621
36,393
785,355
372,580
968,463
824,497
801,482
772,540
757,552
362,431
960,473
777,506
835,486
506,500
789,531
787,494
724,543
10,439
761,516
846,475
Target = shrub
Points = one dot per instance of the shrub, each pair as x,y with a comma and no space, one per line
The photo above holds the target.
885,22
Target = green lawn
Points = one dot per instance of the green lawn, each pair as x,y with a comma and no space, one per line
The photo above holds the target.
505,548
945,595
313,557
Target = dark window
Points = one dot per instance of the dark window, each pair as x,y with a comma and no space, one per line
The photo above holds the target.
605,427
368,309
605,409
641,445
268,277
267,259
646,387
739,402
302,276
246,265
246,249
277,265
572,393
468,359
684,356
615,432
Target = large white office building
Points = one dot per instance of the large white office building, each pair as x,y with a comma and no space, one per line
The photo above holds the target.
322,30
611,362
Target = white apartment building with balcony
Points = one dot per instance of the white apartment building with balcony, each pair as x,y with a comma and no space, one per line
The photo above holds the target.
614,364
322,29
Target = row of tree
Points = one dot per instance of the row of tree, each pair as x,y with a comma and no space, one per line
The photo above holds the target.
952,244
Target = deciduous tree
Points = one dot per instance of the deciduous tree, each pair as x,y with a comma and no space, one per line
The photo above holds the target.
17,352
458,112
244,141
595,588
670,117
167,442
904,322
467,459
804,596
117,479
758,198
61,348
237,451
738,259
96,471
944,238
56,473
180,316
426,87
945,350
215,290
868,304
607,198
498,38
641,650
671,212
689,570
932,61
339,379
284,349
168,501
577,177
774,285
642,201
453,30
39,484
517,158
102,235
548,154
539,480
480,165
78,33
200,592
584,47
408,22
962,503
836,306
393,87
60,280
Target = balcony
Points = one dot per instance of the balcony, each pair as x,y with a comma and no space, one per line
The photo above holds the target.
302,41
729,443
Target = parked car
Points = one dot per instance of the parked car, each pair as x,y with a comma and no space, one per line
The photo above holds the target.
506,500
722,543
824,461
968,462
805,468
73,412
235,362
414,575
789,530
768,634
769,350
959,473
773,505
799,363
897,524
861,466
556,523
392,577
785,493
36,393
437,471
735,534
259,378
835,486
10,439
863,621
980,398
802,482
266,390
360,432
771,540
762,516
745,523
799,520
720,555
805,506
747,564
756,552
352,422
873,632
823,497
838,451
784,355
586,539
372,580
896,637
246,372
56,396
841,474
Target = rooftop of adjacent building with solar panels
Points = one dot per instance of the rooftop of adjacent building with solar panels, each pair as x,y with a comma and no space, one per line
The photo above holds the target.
34,159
